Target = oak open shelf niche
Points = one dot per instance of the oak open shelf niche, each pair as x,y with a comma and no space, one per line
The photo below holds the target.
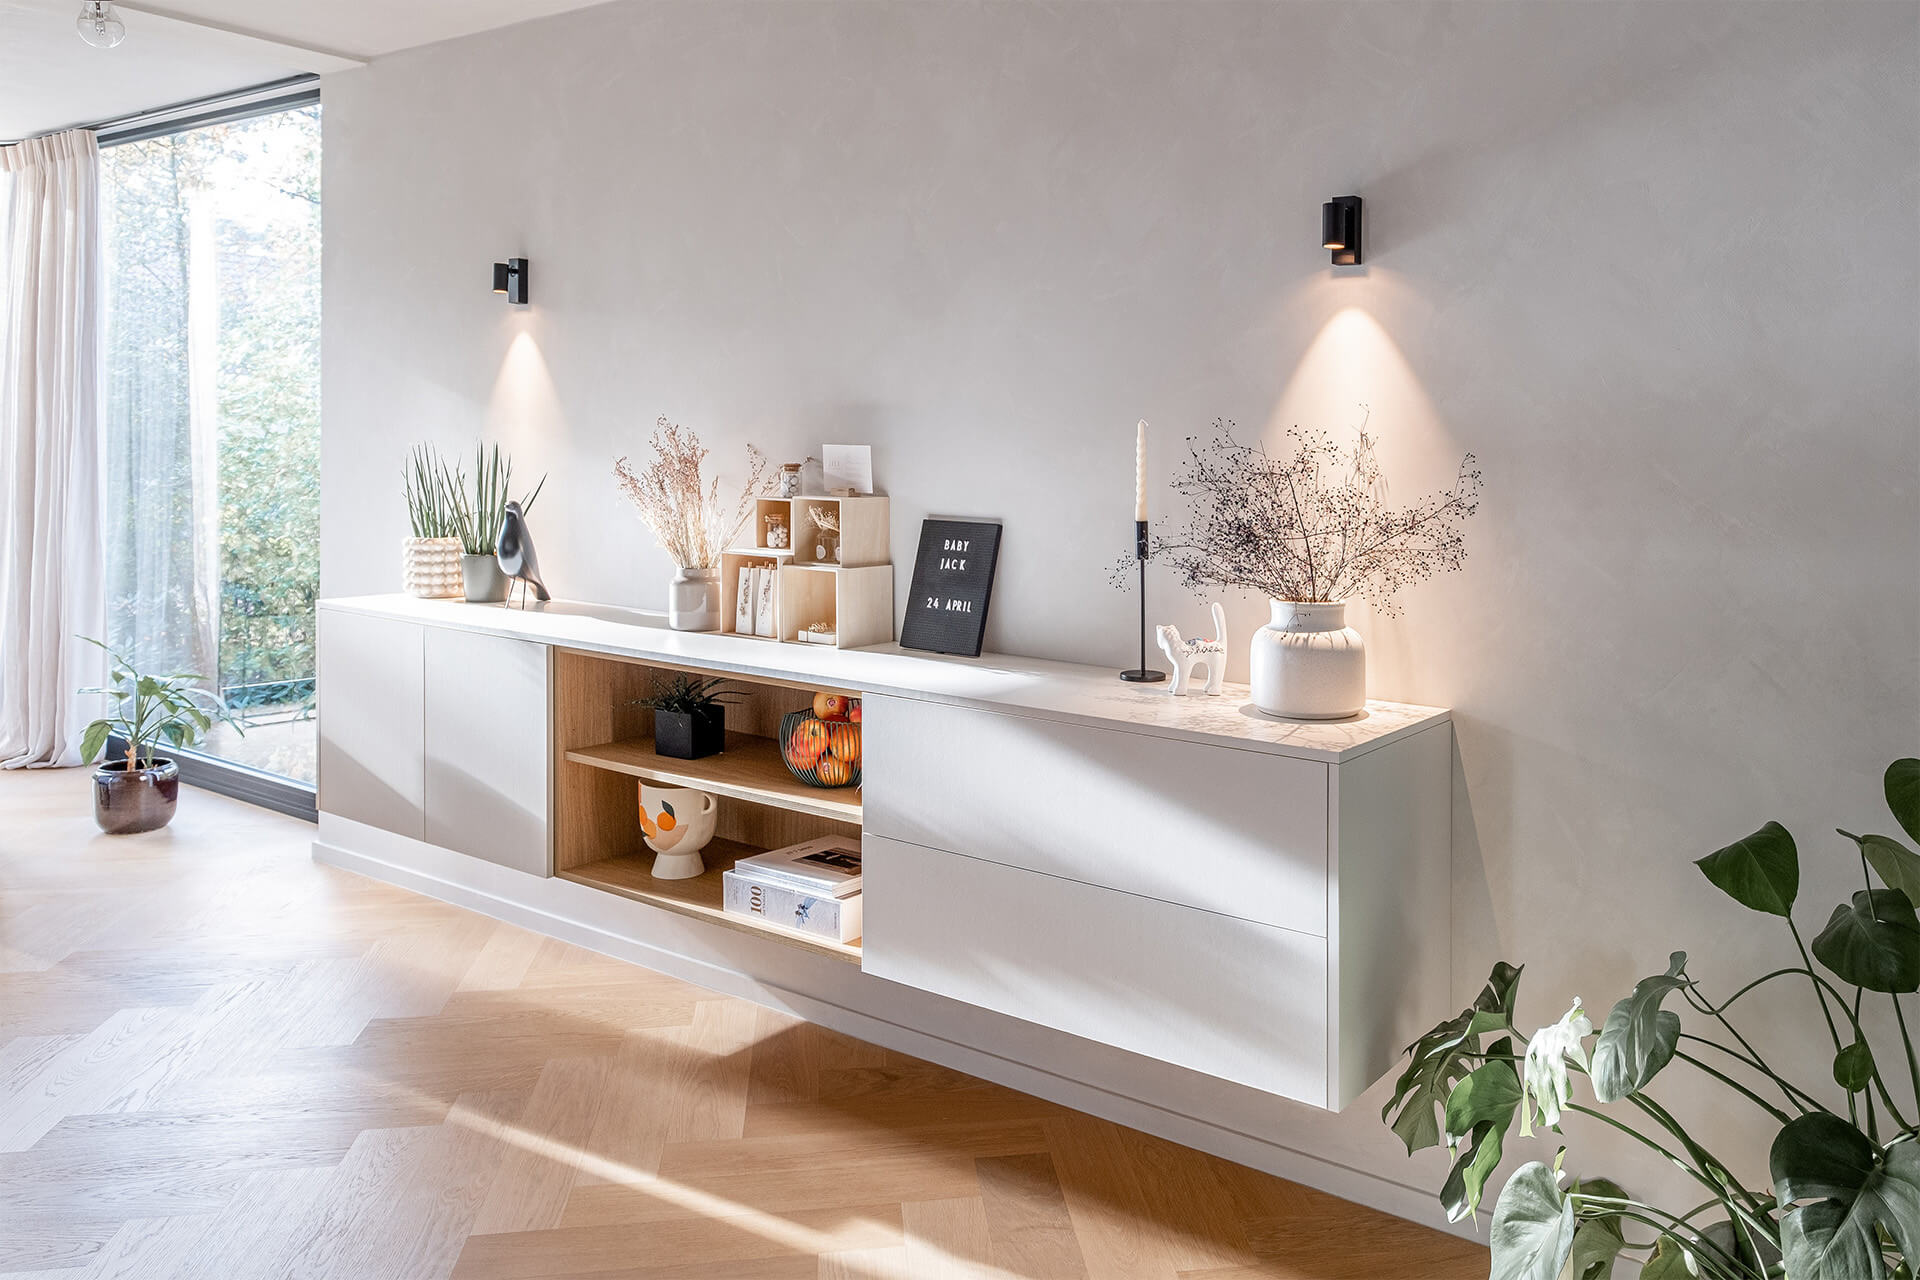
627,875
603,747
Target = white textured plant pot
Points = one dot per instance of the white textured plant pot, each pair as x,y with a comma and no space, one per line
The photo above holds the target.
693,600
431,567
1308,664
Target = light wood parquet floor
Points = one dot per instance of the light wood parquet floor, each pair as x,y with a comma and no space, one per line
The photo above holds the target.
218,1059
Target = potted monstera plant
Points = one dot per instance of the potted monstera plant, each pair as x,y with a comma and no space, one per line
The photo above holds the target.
1840,1197
139,788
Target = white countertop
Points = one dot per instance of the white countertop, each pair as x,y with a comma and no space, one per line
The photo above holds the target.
1062,691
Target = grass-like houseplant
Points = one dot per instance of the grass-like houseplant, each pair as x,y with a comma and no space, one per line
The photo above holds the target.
431,556
689,717
138,791
479,508
1840,1197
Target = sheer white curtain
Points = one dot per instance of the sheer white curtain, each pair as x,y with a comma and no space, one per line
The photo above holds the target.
50,546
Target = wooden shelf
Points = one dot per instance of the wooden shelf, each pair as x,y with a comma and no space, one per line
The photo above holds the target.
750,769
628,875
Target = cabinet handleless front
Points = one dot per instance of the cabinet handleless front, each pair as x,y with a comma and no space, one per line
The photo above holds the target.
1230,998
486,755
1236,832
370,694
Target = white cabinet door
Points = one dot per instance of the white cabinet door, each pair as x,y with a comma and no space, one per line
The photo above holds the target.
486,748
369,689
1242,833
1242,1001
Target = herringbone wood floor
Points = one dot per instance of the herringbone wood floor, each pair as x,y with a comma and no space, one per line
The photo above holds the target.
220,1060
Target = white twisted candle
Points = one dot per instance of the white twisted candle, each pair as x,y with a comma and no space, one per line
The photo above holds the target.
1140,475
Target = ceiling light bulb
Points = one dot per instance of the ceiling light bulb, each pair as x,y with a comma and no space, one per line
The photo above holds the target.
99,25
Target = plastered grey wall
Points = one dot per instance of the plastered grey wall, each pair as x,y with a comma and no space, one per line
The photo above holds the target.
1655,265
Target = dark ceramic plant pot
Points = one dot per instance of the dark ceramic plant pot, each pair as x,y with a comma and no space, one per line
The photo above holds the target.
129,800
688,735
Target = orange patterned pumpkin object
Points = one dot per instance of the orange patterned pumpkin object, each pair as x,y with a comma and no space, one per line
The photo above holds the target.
843,740
834,771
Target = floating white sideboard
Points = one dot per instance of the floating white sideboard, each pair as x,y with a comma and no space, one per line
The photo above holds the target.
1257,901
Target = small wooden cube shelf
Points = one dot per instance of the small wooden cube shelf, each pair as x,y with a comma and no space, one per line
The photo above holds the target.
853,595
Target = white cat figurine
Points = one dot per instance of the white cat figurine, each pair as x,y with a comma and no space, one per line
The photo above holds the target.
1185,655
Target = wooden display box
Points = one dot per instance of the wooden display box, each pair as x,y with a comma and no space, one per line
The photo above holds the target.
858,603
865,531
731,562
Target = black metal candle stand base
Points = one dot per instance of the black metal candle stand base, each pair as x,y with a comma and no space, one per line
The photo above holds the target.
1142,674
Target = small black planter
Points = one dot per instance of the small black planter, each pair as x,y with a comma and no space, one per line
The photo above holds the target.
688,735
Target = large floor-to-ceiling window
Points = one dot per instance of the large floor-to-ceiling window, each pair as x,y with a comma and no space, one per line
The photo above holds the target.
212,418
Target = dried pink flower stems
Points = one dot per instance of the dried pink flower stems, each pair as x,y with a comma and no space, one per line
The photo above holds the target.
676,501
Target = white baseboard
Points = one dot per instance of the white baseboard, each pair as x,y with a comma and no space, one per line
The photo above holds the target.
565,910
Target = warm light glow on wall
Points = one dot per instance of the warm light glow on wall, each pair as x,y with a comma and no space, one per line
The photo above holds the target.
525,405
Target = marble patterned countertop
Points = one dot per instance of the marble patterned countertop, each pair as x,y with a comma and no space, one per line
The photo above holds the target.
1064,691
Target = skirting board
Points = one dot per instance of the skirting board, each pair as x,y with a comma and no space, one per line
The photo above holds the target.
564,910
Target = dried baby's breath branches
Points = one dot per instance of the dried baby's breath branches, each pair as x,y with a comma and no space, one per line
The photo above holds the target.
680,505
1312,524
824,520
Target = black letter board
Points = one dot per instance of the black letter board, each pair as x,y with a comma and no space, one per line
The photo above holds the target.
952,583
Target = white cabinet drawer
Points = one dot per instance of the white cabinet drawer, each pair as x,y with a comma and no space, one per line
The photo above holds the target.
1242,833
1231,998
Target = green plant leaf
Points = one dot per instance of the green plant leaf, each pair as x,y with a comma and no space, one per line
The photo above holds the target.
1874,943
1597,1241
1491,1091
1853,1067
1639,1037
1669,1262
1479,1157
1903,795
1856,1190
1897,866
1761,872
1479,1112
1533,1226
94,740
1438,1059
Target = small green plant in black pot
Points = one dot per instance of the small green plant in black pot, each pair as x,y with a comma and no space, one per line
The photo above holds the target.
689,718
139,790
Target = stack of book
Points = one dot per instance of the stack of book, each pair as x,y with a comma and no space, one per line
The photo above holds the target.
811,888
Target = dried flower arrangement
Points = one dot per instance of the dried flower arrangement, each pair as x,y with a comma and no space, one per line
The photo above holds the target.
1313,525
824,520
683,508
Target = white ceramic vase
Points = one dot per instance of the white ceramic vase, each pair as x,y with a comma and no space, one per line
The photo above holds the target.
1308,664
693,600
431,567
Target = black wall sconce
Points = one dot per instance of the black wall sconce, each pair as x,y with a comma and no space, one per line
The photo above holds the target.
1340,229
510,278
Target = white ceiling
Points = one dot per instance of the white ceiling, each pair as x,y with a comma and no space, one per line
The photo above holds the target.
185,49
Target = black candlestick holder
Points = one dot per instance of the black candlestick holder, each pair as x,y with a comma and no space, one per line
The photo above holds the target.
1142,674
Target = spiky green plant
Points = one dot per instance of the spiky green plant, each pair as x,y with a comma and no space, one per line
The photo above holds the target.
479,510
430,508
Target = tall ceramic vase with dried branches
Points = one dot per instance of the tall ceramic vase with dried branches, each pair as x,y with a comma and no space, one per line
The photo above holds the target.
683,508
1311,530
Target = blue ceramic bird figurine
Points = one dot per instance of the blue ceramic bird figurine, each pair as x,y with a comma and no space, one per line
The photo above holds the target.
515,551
